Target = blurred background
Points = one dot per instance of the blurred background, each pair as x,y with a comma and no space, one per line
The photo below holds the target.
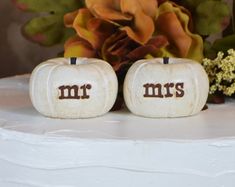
18,55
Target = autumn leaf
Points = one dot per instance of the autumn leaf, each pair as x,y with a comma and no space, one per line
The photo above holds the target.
47,27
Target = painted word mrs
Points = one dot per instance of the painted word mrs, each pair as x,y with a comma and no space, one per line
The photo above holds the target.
169,90
74,91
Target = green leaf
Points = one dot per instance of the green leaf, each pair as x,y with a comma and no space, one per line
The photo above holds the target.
225,43
46,30
191,4
67,33
208,50
57,6
222,44
48,27
210,16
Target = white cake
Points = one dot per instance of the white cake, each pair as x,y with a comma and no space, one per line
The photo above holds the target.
115,150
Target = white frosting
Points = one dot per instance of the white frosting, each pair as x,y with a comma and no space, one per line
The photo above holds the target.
118,149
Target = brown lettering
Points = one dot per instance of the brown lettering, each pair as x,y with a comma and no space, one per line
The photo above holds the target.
179,89
156,90
150,90
72,92
168,86
69,90
85,87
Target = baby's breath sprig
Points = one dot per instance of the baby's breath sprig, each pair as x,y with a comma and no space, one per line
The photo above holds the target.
221,73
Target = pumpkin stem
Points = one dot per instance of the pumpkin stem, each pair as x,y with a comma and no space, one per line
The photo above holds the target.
73,60
165,60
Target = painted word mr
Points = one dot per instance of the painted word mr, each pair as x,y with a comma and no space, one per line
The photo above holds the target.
74,91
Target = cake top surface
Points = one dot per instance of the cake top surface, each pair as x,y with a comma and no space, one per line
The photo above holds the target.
17,115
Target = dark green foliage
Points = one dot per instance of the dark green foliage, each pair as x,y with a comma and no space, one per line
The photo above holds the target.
47,28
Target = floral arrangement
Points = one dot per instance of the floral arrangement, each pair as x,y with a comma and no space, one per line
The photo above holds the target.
123,31
221,73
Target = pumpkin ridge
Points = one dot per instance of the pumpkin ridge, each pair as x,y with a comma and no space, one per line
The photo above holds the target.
106,82
36,71
196,87
134,76
53,112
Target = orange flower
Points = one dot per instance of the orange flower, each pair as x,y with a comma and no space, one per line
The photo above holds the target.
123,31
91,33
136,17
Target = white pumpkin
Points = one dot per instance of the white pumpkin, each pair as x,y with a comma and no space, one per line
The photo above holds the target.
170,87
73,88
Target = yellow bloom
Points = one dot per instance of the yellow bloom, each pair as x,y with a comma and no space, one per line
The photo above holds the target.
221,72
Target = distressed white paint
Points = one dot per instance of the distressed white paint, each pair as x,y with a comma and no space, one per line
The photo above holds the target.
50,75
186,71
